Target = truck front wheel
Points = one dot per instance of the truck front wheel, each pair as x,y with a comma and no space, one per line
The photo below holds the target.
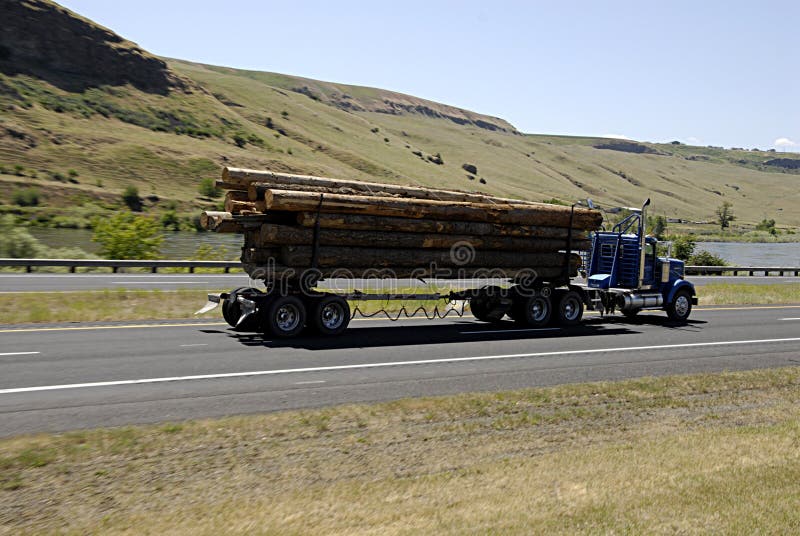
681,306
284,317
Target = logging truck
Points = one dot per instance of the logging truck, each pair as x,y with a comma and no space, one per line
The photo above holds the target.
620,270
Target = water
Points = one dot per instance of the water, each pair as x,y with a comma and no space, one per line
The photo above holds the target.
176,245
749,254
182,245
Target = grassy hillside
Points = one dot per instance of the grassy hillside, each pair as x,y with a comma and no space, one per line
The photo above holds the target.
113,136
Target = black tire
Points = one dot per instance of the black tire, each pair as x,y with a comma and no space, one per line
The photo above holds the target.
480,309
329,315
231,311
569,308
284,317
681,306
631,313
534,312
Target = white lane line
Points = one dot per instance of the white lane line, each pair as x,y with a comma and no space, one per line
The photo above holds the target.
189,345
277,372
159,282
309,383
18,353
507,330
790,319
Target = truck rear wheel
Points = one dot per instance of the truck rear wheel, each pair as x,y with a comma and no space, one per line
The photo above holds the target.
681,306
569,308
329,315
534,312
285,316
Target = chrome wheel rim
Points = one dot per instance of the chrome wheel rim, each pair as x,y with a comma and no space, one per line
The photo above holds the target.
287,317
681,306
571,309
539,309
332,316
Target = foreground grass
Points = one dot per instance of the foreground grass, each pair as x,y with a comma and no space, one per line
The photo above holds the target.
683,454
109,305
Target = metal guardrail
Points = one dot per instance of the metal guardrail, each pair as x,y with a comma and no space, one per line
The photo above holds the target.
116,265
736,270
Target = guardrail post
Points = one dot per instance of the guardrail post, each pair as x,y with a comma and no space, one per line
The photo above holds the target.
114,269
191,269
29,269
154,269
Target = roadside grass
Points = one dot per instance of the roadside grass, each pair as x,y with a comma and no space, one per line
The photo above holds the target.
114,304
708,453
748,294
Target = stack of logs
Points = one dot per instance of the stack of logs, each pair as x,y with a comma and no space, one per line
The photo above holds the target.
363,226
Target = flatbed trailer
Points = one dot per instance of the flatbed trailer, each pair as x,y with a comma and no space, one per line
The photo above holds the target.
622,270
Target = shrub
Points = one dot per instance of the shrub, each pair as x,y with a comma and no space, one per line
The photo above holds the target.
705,258
131,198
208,188
239,140
18,170
25,197
768,226
72,173
128,236
170,221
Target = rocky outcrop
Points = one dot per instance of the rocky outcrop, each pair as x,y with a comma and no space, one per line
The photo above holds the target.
785,163
42,39
628,147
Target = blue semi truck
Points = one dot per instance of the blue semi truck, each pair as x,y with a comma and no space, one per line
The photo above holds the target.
622,271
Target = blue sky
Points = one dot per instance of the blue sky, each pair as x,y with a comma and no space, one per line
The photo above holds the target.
707,73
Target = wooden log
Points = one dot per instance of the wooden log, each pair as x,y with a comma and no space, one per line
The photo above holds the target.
344,257
540,214
255,190
359,222
286,235
221,222
237,202
244,177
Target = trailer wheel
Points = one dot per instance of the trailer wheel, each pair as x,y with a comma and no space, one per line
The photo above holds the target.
569,308
681,306
479,309
329,315
231,311
631,313
534,312
284,317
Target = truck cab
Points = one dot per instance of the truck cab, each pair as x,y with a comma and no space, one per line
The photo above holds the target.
624,272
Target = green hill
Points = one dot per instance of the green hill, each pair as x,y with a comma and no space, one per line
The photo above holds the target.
163,124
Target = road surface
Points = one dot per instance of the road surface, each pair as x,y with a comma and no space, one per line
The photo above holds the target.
63,377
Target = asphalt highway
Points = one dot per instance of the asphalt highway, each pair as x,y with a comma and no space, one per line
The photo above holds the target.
77,282
71,376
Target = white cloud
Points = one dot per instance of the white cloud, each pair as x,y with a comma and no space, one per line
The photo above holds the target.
616,136
691,140
784,142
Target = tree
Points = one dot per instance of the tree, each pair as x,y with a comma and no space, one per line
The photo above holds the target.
128,236
683,247
658,224
725,215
